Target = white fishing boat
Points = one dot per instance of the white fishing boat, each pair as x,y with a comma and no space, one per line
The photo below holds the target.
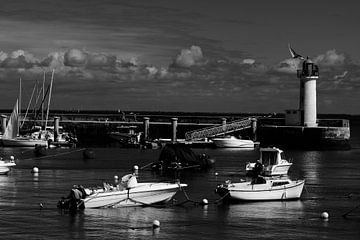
232,142
128,193
263,190
272,163
5,165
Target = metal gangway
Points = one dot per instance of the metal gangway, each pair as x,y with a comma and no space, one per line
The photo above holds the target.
219,129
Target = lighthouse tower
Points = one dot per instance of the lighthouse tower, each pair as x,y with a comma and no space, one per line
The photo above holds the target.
307,106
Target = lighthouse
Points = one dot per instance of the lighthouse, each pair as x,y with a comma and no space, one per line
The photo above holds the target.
307,105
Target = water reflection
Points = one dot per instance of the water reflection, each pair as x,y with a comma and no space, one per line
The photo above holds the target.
310,162
8,191
266,210
130,222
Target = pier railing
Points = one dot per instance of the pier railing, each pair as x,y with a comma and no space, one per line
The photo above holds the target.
218,130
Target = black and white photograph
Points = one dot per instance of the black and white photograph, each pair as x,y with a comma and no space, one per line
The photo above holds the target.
179,119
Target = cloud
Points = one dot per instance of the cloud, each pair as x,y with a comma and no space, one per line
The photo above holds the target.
288,66
330,58
3,56
99,60
248,61
189,57
54,60
341,75
18,59
75,58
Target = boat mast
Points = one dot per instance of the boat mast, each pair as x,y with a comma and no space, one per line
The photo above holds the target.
27,109
43,96
47,110
19,107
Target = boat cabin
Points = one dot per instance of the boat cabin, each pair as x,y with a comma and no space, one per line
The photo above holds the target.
270,156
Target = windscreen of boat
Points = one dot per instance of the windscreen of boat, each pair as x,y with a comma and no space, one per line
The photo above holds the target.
269,158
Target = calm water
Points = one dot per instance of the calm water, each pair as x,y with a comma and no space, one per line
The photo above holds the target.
331,177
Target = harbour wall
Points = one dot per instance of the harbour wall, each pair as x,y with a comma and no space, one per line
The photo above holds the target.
92,128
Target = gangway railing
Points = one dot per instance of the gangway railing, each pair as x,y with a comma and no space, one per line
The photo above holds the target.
219,129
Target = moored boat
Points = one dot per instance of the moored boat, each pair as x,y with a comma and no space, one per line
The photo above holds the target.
261,189
128,193
10,137
176,157
232,142
272,163
5,165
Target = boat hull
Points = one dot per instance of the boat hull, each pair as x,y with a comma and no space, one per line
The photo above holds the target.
232,143
5,167
246,191
143,194
22,142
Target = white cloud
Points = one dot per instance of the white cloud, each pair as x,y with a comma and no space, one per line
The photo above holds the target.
189,57
75,58
341,75
330,58
288,66
248,61
3,56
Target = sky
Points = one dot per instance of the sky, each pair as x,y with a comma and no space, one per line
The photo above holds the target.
189,55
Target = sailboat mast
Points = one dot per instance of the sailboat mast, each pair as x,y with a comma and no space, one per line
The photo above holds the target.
47,110
19,107
43,96
27,109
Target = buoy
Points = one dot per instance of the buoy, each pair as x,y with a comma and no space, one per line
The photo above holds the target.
41,206
35,170
324,215
205,201
136,167
116,178
156,224
12,158
216,174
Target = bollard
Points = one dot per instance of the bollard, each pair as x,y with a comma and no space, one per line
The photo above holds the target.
56,129
3,121
254,128
174,128
223,123
146,127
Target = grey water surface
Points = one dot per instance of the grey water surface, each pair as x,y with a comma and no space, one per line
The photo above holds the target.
332,185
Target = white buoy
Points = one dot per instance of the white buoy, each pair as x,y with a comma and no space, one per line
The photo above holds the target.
12,158
116,178
216,174
35,170
156,224
205,201
136,167
324,215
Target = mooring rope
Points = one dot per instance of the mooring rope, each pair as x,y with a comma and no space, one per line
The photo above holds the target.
55,155
143,167
348,212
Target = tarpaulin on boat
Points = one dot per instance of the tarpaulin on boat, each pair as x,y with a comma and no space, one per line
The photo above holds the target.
178,156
